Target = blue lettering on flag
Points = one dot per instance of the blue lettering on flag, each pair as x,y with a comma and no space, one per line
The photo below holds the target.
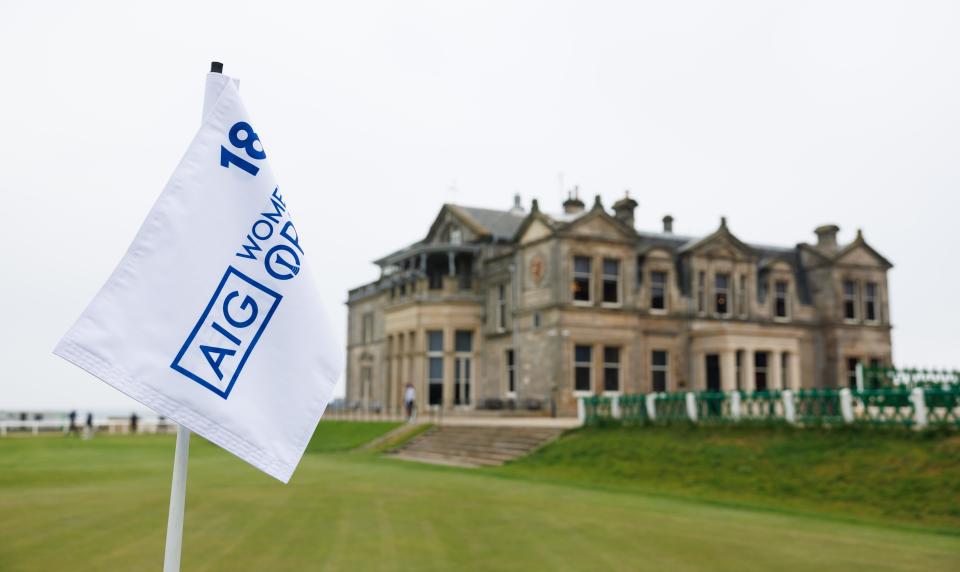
219,345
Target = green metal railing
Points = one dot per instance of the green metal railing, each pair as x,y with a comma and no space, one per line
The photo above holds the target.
633,409
880,377
891,406
671,407
761,405
897,406
818,407
943,406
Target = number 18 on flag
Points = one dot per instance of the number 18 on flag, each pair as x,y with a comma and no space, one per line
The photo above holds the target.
213,317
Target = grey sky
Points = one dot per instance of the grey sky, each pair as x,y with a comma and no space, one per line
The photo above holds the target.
781,116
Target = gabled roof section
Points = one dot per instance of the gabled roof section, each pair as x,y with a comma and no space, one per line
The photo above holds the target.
860,243
597,211
534,216
486,223
723,232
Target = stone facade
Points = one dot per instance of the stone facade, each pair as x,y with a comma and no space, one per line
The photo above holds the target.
509,309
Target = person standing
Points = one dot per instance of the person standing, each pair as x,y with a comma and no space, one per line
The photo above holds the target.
133,422
72,428
410,402
88,429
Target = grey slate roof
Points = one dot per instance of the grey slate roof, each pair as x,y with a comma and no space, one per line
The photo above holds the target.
501,224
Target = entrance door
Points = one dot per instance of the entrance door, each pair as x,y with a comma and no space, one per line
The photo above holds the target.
713,384
713,372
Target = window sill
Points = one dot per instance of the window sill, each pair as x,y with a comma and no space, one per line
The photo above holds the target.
581,393
659,311
611,305
584,303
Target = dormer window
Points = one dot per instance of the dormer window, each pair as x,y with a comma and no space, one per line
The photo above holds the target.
721,290
580,285
611,281
849,300
658,290
870,302
781,299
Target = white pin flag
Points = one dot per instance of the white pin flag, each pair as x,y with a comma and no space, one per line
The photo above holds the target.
212,318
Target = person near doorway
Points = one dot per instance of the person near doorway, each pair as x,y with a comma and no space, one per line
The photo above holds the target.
410,402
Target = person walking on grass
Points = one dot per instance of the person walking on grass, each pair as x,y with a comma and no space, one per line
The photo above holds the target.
410,402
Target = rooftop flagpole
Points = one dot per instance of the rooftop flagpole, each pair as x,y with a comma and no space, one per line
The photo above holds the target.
178,489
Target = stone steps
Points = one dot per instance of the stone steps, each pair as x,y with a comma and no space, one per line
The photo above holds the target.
474,446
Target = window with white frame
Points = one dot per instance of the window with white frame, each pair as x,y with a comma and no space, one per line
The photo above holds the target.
870,313
658,290
580,285
582,368
611,369
435,367
849,300
721,294
511,372
659,370
462,366
611,281
852,363
760,381
781,299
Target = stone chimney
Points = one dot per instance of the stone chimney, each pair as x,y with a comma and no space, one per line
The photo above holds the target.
517,208
623,209
827,237
668,224
573,204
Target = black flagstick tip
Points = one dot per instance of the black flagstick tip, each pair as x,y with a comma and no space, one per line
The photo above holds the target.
216,67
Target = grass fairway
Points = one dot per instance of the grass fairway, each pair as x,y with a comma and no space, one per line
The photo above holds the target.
890,476
101,505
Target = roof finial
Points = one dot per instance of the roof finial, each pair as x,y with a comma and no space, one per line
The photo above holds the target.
723,222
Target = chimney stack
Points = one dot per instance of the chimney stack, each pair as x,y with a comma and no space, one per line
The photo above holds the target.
573,204
623,209
517,206
668,224
827,237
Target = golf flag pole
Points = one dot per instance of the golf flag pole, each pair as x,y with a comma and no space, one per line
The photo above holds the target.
178,493
213,317
178,488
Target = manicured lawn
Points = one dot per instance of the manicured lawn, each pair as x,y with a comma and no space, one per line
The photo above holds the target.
332,436
101,505
891,476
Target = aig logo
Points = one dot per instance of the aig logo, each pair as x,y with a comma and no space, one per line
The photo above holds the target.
227,331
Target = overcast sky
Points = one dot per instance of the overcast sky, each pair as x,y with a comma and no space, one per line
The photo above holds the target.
781,116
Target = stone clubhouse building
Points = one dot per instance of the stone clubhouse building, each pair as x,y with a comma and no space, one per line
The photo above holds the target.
525,310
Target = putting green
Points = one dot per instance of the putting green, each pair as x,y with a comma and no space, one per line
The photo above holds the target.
101,505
